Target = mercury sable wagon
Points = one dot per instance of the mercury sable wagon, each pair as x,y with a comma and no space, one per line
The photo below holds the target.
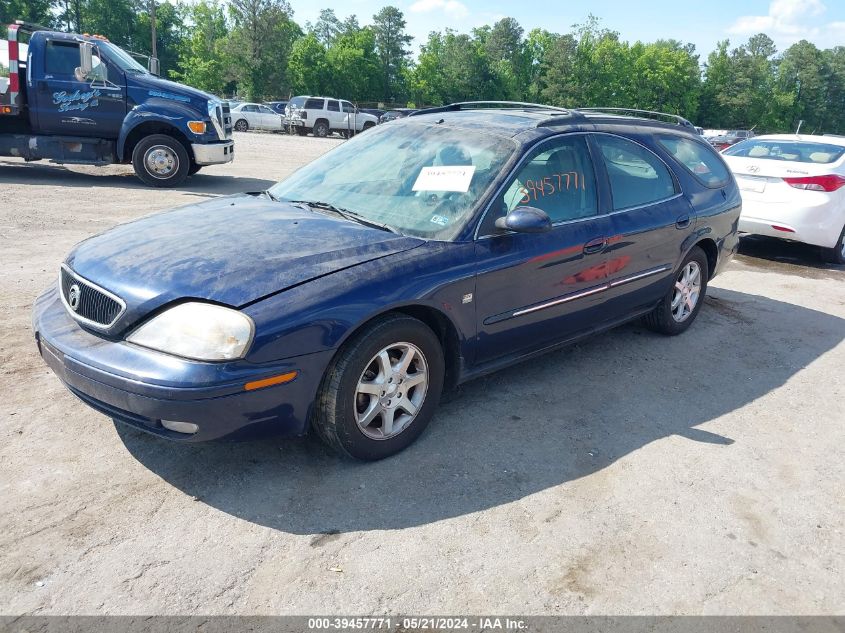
425,253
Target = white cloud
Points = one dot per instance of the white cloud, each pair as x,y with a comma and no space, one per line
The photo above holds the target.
789,21
452,8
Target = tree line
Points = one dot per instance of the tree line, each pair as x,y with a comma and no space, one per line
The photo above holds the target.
255,49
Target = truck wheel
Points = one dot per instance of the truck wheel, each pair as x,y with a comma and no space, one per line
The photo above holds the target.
368,125
241,125
161,161
321,129
194,169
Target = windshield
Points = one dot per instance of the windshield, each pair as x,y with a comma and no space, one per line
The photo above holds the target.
120,57
422,180
796,151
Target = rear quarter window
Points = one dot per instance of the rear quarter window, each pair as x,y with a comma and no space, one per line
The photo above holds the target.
698,159
314,104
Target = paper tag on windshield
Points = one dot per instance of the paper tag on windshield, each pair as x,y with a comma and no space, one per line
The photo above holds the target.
445,178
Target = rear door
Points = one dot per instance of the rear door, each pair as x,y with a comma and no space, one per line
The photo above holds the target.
269,119
650,221
68,105
535,289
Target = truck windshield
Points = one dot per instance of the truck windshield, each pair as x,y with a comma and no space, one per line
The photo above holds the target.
420,179
120,58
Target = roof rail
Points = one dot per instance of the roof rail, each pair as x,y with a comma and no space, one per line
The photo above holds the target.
481,105
645,114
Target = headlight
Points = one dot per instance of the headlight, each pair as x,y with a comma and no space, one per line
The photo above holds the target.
202,331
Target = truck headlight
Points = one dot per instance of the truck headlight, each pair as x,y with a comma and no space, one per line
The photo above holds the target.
201,331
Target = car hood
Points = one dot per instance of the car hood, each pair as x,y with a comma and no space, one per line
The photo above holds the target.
232,250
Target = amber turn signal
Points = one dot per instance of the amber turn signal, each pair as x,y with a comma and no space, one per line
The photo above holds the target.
269,382
197,127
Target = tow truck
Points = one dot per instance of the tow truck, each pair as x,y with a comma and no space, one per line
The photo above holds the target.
80,99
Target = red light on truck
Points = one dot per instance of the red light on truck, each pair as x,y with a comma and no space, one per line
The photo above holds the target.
829,182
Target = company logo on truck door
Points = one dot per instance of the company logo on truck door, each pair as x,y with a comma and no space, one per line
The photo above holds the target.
76,100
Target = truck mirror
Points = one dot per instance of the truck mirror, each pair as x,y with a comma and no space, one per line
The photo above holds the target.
154,66
86,61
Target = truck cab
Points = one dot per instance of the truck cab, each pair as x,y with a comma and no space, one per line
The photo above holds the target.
81,99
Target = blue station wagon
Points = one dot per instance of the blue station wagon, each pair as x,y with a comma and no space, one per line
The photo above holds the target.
420,255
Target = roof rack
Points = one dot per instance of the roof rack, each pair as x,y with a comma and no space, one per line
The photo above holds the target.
481,105
645,114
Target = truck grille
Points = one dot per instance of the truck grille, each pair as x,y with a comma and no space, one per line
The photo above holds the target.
88,303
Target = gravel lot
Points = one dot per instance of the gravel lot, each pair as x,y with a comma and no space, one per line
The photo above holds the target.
629,474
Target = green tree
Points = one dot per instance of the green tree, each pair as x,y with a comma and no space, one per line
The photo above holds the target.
202,56
392,43
37,11
354,66
802,85
327,27
260,43
308,69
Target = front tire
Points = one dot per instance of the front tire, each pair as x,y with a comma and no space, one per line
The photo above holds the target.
836,255
381,390
161,161
678,309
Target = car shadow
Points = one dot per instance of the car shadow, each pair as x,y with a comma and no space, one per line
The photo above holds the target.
784,252
536,425
40,174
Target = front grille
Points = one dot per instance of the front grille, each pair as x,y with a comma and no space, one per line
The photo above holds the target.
93,305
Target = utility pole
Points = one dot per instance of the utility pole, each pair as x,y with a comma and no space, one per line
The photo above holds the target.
153,26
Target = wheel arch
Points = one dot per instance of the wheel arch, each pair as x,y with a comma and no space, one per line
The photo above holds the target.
148,128
711,250
442,326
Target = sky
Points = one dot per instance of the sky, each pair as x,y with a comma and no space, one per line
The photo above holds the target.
701,23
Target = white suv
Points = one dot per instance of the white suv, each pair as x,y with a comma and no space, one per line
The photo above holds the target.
324,115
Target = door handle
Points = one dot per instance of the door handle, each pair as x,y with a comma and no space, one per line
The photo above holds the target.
596,245
683,222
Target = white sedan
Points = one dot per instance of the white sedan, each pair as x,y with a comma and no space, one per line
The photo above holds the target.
254,116
793,187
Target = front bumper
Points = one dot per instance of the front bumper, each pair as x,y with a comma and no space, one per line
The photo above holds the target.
142,387
213,153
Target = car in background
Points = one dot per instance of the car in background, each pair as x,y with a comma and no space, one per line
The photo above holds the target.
293,103
254,116
323,116
793,187
732,137
277,106
396,113
420,255
376,112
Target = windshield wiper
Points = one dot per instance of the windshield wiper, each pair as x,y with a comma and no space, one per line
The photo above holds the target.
346,214
271,196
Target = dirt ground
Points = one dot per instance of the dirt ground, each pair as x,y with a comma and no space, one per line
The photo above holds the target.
631,473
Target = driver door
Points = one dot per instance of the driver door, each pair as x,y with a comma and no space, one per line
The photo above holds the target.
70,106
535,289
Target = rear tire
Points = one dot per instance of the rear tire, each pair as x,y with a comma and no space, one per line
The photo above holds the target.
369,406
321,129
241,125
161,161
836,255
678,309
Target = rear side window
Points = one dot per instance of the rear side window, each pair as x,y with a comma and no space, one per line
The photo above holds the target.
314,104
796,151
699,159
637,176
333,106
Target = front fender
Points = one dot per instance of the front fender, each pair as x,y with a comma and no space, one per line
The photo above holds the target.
166,112
322,314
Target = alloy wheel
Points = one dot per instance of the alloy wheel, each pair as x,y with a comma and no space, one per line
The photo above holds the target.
391,391
687,292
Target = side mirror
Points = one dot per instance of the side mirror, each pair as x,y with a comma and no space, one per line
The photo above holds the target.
525,220
154,66
86,61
